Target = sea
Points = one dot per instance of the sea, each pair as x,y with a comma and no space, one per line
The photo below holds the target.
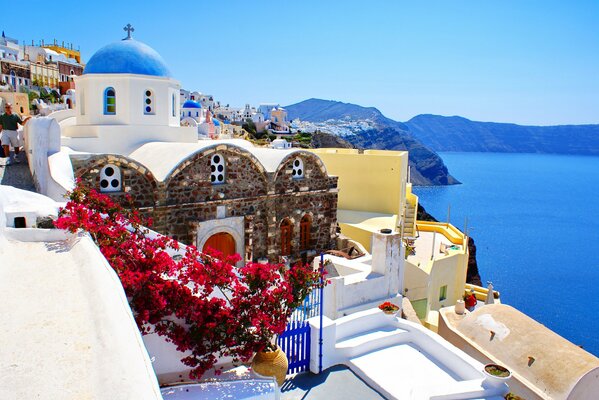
535,222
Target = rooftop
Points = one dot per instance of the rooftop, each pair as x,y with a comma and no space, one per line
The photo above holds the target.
127,57
60,315
544,359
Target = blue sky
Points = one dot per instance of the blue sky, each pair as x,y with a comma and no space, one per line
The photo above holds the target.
532,62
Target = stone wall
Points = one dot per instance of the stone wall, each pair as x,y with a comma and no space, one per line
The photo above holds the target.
187,198
137,180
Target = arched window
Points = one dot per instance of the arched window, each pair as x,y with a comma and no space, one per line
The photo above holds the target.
298,169
149,102
217,169
109,101
286,233
305,226
110,179
173,106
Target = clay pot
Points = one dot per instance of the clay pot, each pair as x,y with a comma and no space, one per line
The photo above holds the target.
271,363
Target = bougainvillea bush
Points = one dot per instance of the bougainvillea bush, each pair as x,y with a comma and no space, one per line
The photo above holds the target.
200,302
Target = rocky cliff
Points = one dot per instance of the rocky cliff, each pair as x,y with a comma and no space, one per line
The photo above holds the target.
368,128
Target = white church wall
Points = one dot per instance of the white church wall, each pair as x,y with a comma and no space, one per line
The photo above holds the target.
123,139
130,100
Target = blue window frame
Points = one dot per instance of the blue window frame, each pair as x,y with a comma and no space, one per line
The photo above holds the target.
109,101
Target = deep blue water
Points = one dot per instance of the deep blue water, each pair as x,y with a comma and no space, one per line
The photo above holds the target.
535,222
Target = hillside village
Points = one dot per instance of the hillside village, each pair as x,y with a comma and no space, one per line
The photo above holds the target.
395,309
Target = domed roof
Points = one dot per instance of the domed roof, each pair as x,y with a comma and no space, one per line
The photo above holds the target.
127,56
191,104
215,122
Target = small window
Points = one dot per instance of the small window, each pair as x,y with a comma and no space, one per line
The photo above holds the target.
217,169
305,227
148,102
298,169
82,103
443,293
173,106
110,179
109,101
286,232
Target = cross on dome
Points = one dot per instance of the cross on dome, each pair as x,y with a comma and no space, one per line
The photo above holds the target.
128,28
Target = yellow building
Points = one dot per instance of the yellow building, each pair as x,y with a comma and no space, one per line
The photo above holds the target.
69,52
374,194
435,269
44,74
372,190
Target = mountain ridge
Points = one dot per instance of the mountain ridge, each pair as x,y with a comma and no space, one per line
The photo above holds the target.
456,133
367,127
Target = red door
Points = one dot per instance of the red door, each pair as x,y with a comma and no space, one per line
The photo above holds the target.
223,242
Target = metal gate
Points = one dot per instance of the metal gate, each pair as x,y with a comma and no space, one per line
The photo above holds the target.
295,341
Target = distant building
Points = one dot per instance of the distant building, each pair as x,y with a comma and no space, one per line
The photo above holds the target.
265,109
15,73
278,120
9,48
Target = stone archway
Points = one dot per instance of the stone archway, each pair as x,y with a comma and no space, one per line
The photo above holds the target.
234,226
222,242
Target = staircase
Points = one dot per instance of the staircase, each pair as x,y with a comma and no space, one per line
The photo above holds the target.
409,229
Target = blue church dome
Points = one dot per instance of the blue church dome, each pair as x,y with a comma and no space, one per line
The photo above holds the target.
216,123
127,56
191,104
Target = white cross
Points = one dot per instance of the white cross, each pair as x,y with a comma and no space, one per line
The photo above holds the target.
129,29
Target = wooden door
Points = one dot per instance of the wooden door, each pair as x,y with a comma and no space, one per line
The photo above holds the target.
223,242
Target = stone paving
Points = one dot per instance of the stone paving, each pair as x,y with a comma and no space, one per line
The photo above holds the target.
335,383
17,175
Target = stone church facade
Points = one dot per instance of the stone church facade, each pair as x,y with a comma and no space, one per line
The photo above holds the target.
286,208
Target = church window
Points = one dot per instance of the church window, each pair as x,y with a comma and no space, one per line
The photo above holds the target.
82,101
217,169
286,231
173,106
109,101
298,169
110,179
189,113
148,102
305,226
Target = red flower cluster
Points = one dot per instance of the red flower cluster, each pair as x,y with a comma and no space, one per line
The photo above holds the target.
199,302
388,307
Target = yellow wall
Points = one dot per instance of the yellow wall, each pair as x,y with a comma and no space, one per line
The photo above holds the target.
374,181
453,234
425,280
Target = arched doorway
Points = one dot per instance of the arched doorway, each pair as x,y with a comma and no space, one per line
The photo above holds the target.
223,242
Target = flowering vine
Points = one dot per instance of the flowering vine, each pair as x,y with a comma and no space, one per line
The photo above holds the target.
200,302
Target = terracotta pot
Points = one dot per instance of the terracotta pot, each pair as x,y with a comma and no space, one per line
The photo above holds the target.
271,363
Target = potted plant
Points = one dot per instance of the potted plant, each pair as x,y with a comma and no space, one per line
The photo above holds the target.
497,373
389,308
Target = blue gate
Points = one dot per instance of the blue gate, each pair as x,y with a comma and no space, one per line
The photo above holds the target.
295,341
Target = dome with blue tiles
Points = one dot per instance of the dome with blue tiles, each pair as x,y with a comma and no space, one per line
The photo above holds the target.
127,56
191,104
